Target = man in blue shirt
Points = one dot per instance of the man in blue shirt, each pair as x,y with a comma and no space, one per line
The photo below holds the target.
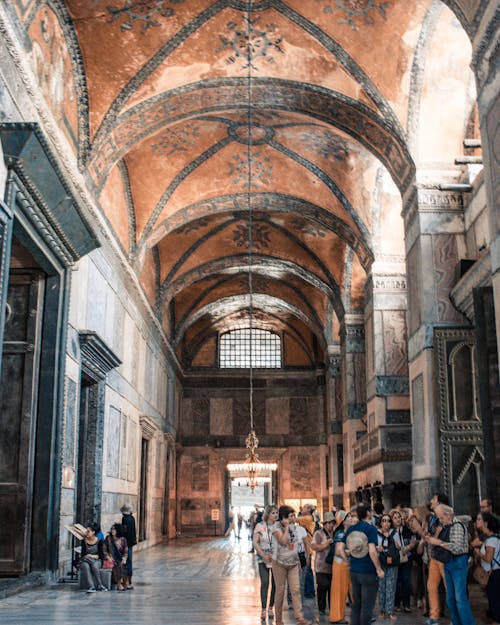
358,548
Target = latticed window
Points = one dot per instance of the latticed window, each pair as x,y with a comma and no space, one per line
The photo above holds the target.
235,349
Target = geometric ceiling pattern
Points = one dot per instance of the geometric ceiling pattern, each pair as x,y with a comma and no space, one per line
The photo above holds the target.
336,103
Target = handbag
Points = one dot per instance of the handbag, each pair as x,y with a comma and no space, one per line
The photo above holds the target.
108,564
481,575
331,554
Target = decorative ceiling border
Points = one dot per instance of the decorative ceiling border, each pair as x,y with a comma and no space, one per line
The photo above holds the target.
266,202
379,136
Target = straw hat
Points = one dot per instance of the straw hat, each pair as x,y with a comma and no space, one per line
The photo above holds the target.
328,517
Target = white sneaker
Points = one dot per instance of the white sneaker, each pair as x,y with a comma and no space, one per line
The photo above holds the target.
91,589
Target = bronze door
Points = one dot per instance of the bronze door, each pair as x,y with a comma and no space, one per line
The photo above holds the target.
18,409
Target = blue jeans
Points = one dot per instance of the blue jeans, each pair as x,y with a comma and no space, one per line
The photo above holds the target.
457,600
364,595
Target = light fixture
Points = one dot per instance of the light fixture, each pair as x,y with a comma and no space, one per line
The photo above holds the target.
252,468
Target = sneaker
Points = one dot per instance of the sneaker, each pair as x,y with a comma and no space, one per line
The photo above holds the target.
432,621
91,589
103,588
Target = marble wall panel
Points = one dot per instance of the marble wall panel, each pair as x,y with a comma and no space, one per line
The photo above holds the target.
414,272
395,341
277,415
241,416
123,445
221,416
186,424
445,261
132,453
314,407
417,399
113,442
70,425
299,421
201,416
200,473
301,472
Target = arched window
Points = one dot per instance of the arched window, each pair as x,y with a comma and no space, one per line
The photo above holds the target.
235,349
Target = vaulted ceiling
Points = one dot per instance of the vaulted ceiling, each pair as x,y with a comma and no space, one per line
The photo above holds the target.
334,103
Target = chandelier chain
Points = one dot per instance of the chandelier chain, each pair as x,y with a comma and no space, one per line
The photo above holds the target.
249,207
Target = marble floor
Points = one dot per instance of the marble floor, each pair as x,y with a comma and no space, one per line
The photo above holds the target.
185,582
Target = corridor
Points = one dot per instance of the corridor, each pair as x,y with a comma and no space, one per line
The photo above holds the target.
187,582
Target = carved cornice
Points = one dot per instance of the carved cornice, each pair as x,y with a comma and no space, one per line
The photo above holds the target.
148,427
431,199
96,357
462,295
169,439
46,200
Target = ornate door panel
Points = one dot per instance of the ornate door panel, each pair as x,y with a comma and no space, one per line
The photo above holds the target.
460,427
18,407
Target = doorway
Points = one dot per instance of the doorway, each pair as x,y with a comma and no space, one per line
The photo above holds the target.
143,485
19,410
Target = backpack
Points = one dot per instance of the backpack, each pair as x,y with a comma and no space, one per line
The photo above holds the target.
440,553
390,556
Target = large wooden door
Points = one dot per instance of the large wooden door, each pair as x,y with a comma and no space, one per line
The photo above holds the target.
18,409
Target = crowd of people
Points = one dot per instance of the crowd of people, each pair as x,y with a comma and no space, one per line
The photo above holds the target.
410,560
112,552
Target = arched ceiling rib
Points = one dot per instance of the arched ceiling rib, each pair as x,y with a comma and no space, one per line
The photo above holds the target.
164,101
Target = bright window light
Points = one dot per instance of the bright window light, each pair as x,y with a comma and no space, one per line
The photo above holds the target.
234,349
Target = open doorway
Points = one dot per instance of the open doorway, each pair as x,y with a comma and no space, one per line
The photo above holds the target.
244,501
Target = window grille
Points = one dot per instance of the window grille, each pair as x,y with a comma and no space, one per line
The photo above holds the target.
235,349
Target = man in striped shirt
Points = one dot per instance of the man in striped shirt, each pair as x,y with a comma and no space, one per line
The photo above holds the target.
454,538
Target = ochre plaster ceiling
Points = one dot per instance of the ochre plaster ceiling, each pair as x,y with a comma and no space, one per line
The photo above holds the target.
166,101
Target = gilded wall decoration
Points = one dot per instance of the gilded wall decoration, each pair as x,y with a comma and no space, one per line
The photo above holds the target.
248,42
142,12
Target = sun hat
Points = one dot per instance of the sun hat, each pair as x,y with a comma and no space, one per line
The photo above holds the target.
357,544
328,517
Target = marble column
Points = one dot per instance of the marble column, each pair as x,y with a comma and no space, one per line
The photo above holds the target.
353,395
487,72
386,345
334,411
434,227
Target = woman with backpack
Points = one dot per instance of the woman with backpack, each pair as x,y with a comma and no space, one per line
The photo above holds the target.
388,549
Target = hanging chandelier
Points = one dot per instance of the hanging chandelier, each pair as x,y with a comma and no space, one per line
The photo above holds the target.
252,470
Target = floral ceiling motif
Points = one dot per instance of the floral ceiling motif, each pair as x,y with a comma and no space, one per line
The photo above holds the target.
142,12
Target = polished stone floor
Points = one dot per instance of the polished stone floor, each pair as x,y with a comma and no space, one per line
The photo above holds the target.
186,582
